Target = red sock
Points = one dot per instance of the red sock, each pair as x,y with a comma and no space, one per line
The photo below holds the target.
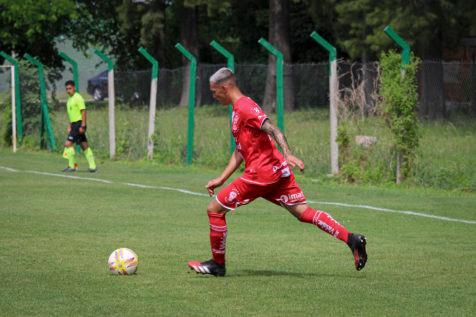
325,222
218,232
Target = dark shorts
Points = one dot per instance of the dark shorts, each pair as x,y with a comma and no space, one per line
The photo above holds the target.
74,135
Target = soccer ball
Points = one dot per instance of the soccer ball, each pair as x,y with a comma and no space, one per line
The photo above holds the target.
123,261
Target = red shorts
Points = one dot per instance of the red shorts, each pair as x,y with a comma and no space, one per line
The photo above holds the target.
239,192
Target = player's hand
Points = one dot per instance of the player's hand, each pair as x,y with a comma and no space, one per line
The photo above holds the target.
82,130
212,184
69,129
294,161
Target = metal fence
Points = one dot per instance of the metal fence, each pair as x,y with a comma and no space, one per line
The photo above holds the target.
443,87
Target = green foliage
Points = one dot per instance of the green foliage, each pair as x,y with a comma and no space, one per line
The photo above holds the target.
363,164
31,26
31,105
398,105
356,25
6,124
343,140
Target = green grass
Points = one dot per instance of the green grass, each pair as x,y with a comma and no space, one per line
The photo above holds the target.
56,235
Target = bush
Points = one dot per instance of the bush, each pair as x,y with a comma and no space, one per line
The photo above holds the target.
398,106
6,126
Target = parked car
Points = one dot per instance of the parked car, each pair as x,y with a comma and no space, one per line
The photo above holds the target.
130,87
97,86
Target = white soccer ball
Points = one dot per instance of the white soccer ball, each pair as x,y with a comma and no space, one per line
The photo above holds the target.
123,261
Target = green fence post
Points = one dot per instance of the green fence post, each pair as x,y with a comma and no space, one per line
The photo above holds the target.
191,99
400,42
18,113
111,102
74,66
152,102
405,61
230,63
44,103
279,80
333,99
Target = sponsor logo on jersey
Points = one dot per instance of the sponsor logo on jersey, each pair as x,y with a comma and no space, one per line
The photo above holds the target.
232,196
284,198
292,198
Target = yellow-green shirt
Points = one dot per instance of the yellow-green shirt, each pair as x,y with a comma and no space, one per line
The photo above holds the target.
74,106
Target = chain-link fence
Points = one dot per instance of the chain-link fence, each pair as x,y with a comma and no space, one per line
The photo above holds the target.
443,87
133,87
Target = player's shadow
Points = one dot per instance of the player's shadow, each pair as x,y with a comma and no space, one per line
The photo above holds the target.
271,273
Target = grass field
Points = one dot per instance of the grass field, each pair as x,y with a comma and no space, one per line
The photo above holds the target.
56,234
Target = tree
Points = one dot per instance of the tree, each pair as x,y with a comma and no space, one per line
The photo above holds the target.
122,26
31,26
188,14
429,26
278,36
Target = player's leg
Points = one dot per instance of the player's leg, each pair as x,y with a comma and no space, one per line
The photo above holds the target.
69,154
324,221
320,219
235,194
88,153
290,196
218,231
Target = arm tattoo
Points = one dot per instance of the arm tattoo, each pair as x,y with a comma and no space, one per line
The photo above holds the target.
277,135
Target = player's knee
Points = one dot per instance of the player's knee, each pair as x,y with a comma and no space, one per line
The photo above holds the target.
214,207
297,210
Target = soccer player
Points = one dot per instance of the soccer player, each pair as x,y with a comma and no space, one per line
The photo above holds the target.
267,174
76,130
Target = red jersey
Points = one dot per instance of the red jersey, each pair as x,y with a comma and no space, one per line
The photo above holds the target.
264,164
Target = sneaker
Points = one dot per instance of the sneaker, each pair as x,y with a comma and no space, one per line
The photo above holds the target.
207,267
356,243
92,170
70,169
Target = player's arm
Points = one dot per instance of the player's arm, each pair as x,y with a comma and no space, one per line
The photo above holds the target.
82,107
280,139
82,129
233,164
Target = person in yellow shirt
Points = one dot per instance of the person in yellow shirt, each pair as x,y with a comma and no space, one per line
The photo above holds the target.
76,130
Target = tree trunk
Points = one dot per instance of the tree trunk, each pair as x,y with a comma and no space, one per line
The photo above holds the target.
278,36
158,9
189,39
